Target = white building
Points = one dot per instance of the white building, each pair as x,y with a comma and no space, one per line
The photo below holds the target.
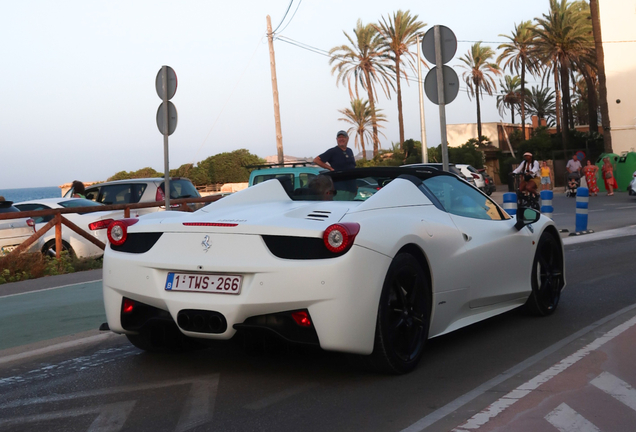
618,28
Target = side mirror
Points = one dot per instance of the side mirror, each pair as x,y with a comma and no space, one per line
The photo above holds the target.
526,216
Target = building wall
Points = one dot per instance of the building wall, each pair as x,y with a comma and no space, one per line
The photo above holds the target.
618,26
458,134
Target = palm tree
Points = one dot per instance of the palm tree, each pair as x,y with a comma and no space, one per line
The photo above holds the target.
479,74
540,102
365,63
517,57
399,32
510,96
602,90
362,117
563,37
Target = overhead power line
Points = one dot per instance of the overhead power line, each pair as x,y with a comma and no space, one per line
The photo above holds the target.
284,16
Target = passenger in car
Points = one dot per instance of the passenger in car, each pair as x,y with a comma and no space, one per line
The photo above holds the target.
78,189
322,188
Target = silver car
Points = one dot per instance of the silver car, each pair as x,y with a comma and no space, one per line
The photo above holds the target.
140,190
13,231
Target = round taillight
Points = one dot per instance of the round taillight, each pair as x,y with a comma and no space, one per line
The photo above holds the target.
339,237
118,231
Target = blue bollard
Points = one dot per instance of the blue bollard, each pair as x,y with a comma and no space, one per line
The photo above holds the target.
510,203
582,201
546,203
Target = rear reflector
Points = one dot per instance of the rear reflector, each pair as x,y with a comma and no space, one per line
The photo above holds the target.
127,306
301,318
210,224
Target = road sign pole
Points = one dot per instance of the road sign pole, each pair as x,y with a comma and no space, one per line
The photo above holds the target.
422,122
440,96
166,163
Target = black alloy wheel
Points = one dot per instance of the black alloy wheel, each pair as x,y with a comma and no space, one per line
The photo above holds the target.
403,317
547,276
49,248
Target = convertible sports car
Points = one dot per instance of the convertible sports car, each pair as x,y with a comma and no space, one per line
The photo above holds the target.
318,265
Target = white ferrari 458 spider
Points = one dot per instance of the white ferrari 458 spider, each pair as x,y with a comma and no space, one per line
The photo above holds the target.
374,273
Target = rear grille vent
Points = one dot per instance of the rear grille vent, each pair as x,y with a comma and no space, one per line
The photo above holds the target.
318,215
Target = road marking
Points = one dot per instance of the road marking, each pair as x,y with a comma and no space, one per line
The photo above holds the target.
199,406
601,235
456,404
525,389
597,210
56,347
565,419
624,208
278,397
111,417
48,289
616,388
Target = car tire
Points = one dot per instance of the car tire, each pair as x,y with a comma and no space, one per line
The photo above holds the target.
547,276
49,248
403,317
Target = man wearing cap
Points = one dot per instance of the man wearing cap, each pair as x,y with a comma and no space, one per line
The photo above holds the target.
339,157
529,168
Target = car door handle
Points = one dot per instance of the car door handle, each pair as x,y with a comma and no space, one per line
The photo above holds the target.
467,237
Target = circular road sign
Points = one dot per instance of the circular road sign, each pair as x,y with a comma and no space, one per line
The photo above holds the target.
448,43
451,84
172,118
172,83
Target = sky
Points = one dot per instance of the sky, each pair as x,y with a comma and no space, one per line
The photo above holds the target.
78,98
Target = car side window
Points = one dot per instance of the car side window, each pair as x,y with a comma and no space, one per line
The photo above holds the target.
92,194
115,194
458,198
305,178
39,219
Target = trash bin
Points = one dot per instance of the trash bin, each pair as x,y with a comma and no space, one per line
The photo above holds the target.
625,170
599,163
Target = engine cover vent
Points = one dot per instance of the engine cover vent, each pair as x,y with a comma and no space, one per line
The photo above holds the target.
318,215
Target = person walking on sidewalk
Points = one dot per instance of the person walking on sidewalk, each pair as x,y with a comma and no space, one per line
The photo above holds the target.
590,171
608,176
546,176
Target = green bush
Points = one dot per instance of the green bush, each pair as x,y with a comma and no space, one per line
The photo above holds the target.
15,268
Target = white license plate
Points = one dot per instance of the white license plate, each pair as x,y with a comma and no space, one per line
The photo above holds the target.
7,249
209,283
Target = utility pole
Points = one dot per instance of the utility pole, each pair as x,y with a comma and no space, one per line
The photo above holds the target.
272,63
422,122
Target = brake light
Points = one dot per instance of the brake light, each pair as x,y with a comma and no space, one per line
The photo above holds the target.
30,222
118,231
339,237
101,224
160,196
475,176
301,318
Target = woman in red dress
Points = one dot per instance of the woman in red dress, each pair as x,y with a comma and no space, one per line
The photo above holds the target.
608,176
590,177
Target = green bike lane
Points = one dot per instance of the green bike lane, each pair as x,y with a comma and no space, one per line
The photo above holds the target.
41,315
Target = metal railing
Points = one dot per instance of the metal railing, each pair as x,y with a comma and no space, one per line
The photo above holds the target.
59,220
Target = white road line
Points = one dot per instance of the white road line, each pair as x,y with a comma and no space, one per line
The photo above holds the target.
278,397
56,347
462,400
525,389
111,417
616,388
597,210
625,208
49,289
199,406
565,419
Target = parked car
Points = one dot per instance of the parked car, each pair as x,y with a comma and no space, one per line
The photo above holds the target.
93,223
297,174
13,231
482,180
141,190
631,188
376,277
452,168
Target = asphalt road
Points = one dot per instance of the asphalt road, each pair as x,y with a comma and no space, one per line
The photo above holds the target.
102,383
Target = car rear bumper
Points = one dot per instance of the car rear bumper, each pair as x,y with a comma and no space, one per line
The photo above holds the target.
341,294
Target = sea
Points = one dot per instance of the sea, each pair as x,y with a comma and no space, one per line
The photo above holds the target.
26,194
